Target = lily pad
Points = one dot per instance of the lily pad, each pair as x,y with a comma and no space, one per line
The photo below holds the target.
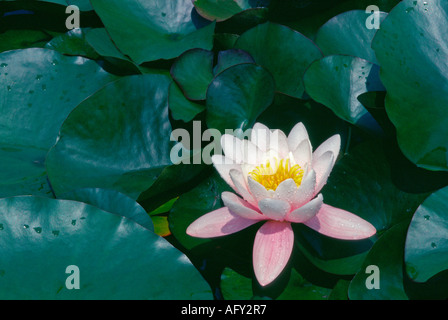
155,29
347,34
412,52
113,202
287,62
426,242
127,154
193,72
386,259
221,10
336,81
40,88
181,108
73,43
231,57
116,258
238,95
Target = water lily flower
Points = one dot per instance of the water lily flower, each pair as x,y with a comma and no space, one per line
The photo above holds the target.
278,180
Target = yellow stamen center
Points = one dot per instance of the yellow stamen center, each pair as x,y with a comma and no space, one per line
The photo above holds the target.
271,175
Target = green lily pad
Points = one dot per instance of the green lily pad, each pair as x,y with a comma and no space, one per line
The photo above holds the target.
21,39
181,108
193,72
336,81
287,62
113,202
347,34
33,109
83,5
127,154
426,242
231,57
116,258
73,43
238,95
220,10
386,257
100,41
411,52
156,29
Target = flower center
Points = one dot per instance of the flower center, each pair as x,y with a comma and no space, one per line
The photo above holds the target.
271,175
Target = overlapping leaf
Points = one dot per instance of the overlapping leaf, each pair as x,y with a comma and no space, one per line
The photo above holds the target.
118,138
40,88
116,258
155,29
411,51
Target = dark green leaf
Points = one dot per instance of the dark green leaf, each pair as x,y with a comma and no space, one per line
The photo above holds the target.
411,51
116,258
156,29
237,96
116,139
287,62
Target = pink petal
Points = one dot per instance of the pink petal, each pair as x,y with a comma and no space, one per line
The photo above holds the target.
279,142
260,136
274,209
224,165
340,224
272,249
286,190
232,147
251,153
241,186
303,154
332,144
305,192
323,167
240,207
296,136
218,223
257,190
307,211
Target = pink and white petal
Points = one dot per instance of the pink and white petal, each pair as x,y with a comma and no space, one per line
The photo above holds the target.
273,246
305,192
240,207
286,190
332,144
296,136
241,186
279,142
307,211
274,209
323,167
260,136
251,153
232,147
303,154
218,223
340,224
224,165
258,191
